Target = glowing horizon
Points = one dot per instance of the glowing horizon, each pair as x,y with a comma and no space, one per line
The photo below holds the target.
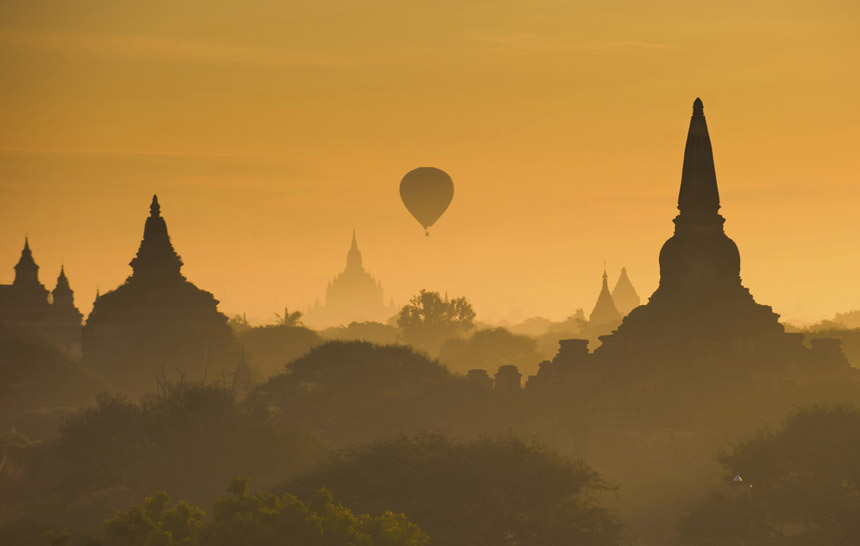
269,133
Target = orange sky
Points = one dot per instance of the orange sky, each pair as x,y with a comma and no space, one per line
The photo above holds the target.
271,129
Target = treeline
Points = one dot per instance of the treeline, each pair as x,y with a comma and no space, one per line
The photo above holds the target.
190,439
408,443
796,484
442,328
240,518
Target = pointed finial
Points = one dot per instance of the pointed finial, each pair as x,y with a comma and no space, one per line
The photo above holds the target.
699,193
27,242
62,270
353,257
698,107
154,208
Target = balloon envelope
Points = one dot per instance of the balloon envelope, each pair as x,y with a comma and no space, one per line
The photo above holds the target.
426,192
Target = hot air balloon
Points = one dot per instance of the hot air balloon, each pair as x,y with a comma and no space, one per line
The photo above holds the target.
426,192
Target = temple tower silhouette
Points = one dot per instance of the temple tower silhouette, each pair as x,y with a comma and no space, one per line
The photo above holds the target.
157,320
27,272
66,318
624,294
353,295
699,365
604,314
700,300
29,309
700,318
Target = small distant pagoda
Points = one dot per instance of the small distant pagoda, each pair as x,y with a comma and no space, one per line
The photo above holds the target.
352,296
29,309
624,295
605,316
157,320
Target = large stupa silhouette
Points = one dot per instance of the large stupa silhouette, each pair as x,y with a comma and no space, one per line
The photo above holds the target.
701,322
158,322
700,301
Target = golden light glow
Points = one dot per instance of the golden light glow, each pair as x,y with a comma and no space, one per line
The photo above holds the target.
270,130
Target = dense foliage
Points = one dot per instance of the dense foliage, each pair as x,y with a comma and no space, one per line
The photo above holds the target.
352,392
34,375
269,348
428,320
187,439
253,520
481,493
374,332
800,486
490,348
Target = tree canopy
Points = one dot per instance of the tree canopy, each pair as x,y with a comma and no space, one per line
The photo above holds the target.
799,486
428,320
189,438
374,332
351,392
490,348
482,493
34,375
238,518
269,348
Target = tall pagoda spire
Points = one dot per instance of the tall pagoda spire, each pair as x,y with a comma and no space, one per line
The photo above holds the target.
156,258
701,305
353,257
604,311
699,193
699,257
63,294
26,270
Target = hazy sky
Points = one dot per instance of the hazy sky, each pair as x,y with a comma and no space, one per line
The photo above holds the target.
271,129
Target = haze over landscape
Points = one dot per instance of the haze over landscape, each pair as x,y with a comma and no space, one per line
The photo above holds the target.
399,273
272,131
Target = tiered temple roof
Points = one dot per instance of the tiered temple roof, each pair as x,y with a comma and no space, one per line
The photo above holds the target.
157,318
25,305
353,295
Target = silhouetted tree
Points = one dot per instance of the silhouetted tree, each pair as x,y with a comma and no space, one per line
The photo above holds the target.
851,319
239,323
428,320
352,392
548,333
269,348
800,486
34,376
155,523
374,332
259,520
490,348
481,493
289,319
188,438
